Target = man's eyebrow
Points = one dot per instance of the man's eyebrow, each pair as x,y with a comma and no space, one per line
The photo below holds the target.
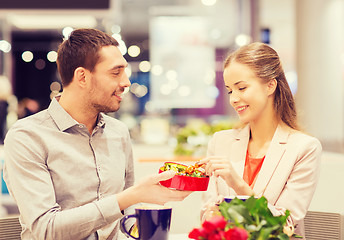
118,67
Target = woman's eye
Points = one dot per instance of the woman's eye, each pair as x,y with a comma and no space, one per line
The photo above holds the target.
229,92
242,88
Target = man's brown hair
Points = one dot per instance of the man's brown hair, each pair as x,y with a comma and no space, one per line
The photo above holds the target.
81,49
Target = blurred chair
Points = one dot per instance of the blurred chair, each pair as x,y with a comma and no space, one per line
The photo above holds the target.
10,228
324,225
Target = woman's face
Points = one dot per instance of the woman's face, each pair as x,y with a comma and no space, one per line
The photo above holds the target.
248,95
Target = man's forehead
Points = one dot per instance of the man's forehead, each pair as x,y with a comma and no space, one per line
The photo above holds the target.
112,54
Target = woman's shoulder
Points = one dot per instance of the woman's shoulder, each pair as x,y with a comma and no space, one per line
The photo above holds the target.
298,134
304,139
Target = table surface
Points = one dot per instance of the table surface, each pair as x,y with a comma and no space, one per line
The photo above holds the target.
173,236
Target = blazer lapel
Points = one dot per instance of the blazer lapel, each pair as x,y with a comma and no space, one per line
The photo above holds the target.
238,150
272,158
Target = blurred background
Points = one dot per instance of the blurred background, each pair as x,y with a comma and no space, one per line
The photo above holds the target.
175,50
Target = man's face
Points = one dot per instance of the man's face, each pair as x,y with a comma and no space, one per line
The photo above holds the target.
108,80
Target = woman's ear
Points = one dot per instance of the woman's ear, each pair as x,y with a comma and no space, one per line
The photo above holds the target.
272,85
80,76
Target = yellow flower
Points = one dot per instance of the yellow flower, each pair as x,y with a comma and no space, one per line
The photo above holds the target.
289,230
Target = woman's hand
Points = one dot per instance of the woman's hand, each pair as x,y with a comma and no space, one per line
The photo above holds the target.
221,167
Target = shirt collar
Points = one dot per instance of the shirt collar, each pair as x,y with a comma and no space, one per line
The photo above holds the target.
101,120
65,121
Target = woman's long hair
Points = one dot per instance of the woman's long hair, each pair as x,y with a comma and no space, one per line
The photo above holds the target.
265,63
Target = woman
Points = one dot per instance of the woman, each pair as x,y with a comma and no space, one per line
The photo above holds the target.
267,155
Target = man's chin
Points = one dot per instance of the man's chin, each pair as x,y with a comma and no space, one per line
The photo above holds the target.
108,109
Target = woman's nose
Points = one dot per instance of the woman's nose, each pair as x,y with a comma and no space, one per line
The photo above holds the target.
233,98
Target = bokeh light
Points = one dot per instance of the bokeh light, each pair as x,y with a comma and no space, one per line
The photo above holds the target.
134,51
40,64
52,56
27,56
66,32
144,66
5,46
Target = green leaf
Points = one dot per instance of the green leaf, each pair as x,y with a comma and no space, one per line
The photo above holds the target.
283,237
254,216
238,214
264,234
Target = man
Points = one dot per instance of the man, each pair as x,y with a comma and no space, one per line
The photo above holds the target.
70,167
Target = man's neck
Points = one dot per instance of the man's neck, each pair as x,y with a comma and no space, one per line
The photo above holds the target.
79,110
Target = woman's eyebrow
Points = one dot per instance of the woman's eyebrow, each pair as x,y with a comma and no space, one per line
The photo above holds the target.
234,84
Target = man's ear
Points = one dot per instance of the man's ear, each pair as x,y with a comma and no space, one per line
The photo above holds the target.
80,76
272,85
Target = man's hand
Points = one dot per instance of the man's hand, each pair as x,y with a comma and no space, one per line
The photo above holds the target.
149,190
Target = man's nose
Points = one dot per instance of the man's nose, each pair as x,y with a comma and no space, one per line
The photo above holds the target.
125,81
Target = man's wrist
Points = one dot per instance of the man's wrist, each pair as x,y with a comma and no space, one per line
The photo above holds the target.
127,198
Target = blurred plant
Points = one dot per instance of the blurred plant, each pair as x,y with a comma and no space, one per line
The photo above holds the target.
193,138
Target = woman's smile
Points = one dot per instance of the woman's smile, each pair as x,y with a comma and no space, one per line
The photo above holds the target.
241,109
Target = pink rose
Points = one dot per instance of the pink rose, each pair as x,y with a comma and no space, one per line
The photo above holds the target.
216,236
215,223
236,234
198,233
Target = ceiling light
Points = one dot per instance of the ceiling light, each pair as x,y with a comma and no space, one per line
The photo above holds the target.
52,21
208,2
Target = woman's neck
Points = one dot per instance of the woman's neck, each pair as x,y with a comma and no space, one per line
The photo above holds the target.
261,133
263,128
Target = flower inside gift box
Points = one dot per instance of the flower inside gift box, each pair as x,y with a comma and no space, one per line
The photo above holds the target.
241,220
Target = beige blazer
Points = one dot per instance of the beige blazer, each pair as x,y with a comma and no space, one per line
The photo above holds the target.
288,176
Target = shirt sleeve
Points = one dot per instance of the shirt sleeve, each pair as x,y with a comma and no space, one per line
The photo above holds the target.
29,182
129,180
210,196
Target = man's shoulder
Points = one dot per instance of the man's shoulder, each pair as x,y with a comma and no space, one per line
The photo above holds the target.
30,122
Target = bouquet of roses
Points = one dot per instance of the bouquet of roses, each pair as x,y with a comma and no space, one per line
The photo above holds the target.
242,220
